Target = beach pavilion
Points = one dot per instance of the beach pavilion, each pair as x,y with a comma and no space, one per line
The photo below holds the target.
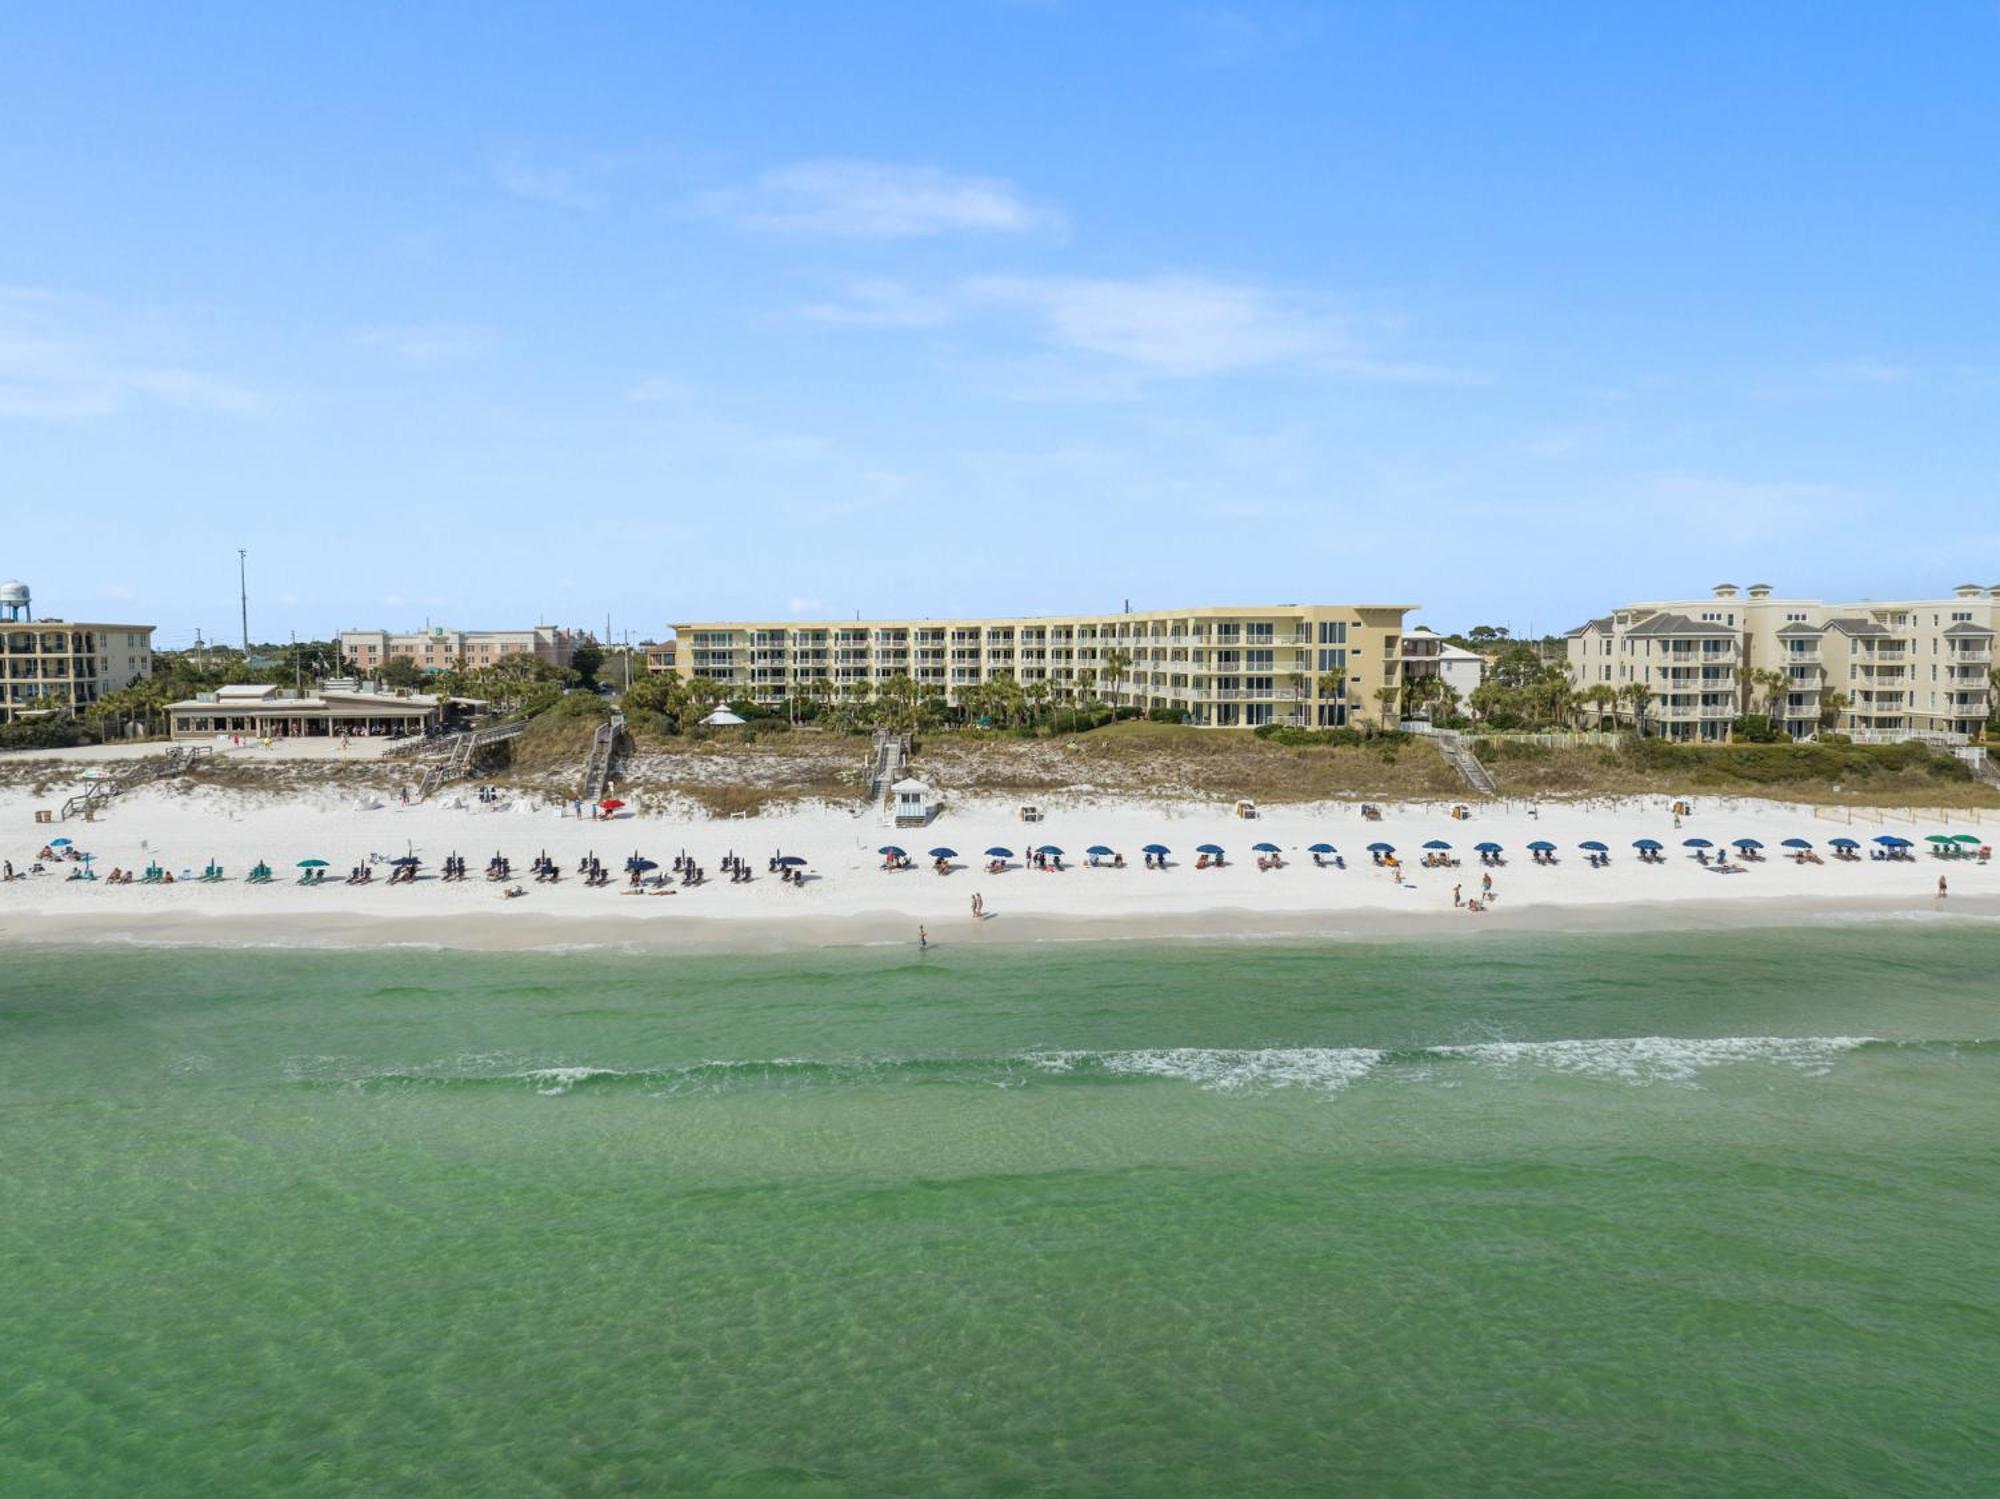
257,710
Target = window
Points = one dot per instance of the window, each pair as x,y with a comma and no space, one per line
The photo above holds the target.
1332,660
1332,632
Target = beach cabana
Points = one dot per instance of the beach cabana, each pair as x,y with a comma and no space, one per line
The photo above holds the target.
722,718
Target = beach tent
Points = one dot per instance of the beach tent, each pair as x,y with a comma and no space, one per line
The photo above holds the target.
1263,848
1795,843
722,718
1322,848
1594,846
1437,843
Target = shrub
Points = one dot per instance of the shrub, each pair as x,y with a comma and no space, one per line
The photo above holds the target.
1757,728
1166,715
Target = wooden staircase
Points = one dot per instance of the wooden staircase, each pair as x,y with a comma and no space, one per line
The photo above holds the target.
603,753
461,750
137,773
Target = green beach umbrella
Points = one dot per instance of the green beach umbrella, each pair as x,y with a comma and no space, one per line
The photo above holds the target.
1939,838
1965,838
312,864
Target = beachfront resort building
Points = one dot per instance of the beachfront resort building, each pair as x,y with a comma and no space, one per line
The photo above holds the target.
257,711
54,666
1311,665
439,649
1878,671
1427,654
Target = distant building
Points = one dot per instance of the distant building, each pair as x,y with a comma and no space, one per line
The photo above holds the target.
659,657
50,666
1321,665
1428,654
439,649
1920,669
333,708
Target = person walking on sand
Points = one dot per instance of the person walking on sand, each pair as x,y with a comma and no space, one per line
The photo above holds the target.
1942,888
1456,898
978,906
1486,886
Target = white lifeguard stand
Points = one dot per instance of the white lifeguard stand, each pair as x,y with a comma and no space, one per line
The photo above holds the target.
916,803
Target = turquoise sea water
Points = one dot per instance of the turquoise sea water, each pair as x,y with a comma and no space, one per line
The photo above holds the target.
1691,1214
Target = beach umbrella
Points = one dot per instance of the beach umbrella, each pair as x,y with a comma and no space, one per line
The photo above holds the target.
792,860
1437,843
1795,843
1746,843
1646,843
1594,846
1937,838
407,859
611,804
999,853
639,866
1049,848
1322,848
1843,843
59,843
1956,838
1486,848
1099,851
1263,848
1696,843
1208,848
1542,846
890,849
1155,848
1381,848
944,853
312,864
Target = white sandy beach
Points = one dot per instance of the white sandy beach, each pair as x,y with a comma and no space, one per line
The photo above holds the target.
850,899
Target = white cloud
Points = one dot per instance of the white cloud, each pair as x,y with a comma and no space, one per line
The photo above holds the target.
49,371
431,343
801,605
879,200
1174,327
881,303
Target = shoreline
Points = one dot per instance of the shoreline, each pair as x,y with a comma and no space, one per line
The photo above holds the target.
532,932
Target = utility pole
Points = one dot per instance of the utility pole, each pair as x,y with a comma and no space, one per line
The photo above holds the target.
298,668
243,594
628,660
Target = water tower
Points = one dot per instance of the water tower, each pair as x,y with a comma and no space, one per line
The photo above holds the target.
14,606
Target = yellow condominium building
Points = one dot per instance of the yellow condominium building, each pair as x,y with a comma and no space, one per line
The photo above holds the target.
1879,671
1311,665
54,665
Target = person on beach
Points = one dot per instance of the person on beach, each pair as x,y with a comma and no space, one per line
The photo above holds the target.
1457,899
1942,889
978,906
1486,886
923,937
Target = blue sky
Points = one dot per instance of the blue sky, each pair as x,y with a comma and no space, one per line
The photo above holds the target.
487,314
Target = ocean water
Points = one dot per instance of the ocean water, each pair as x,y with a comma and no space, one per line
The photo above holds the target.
1679,1215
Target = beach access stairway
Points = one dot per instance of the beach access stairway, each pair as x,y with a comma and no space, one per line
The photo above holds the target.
603,756
1459,756
888,761
461,750
138,773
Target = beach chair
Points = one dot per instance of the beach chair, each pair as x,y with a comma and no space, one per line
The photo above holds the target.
212,875
153,875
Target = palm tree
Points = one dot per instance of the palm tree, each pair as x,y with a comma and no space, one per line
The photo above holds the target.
1116,664
1832,703
1387,698
1603,697
1086,681
1640,696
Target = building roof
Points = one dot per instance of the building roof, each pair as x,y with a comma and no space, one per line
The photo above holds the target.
1849,625
1600,626
1965,627
252,697
1679,624
1200,611
1796,629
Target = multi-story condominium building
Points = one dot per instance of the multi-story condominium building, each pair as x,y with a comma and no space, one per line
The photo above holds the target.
439,649
1303,664
55,665
659,656
1878,671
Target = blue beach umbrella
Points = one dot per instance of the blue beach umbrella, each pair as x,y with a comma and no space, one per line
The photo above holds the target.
1746,843
1542,846
1486,848
1263,848
1650,844
1156,848
889,850
1322,848
793,860
1381,848
1795,843
1049,848
639,866
1208,848
1594,846
1099,851
999,853
944,853
1696,843
1843,843
406,860
59,843
1437,843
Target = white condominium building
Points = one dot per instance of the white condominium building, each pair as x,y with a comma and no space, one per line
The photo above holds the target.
439,649
50,666
1879,671
1311,665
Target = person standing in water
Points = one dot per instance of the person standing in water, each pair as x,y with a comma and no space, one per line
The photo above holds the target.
923,937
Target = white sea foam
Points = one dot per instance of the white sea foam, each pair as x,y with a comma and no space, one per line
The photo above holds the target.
1324,1068
1660,1059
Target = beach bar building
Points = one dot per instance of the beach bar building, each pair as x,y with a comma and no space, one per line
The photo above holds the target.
334,708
